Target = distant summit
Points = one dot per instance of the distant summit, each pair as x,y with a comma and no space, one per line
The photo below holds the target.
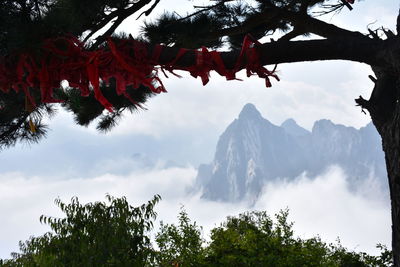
249,111
253,151
292,128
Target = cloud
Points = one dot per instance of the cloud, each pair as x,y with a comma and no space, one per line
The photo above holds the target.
23,199
323,206
307,92
368,14
191,113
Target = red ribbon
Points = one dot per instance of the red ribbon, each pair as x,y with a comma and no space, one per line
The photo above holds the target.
127,61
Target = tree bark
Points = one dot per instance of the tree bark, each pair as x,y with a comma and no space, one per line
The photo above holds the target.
384,108
357,49
390,133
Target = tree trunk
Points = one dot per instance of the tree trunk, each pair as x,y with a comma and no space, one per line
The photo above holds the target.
384,108
390,133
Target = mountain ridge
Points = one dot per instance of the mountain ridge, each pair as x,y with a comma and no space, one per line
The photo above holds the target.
252,151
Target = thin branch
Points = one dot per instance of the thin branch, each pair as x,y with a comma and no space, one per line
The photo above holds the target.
372,78
101,24
316,26
148,11
204,9
121,15
304,22
247,25
329,8
347,4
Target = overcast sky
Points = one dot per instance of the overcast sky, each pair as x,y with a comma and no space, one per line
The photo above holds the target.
158,150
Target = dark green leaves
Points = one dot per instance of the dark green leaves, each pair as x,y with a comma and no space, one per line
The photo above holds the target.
94,234
114,233
14,120
180,244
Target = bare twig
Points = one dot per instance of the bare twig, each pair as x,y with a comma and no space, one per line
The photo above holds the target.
120,15
347,4
100,25
372,78
204,9
304,22
148,11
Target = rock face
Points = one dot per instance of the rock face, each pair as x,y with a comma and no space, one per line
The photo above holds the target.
253,151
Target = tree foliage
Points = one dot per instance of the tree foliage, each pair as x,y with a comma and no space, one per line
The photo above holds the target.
180,244
111,233
24,26
255,239
27,24
227,22
114,233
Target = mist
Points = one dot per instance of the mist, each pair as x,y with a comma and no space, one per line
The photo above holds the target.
322,205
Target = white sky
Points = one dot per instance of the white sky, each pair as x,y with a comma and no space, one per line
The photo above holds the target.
183,125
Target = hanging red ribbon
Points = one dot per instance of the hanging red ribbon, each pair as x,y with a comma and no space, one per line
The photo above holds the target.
127,61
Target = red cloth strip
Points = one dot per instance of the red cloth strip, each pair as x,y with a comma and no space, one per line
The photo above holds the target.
66,58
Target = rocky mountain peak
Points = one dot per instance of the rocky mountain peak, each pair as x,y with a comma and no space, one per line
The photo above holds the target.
252,152
249,112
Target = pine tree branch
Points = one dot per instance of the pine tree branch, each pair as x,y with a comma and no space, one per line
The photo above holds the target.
100,25
248,25
120,15
299,20
347,4
203,9
362,50
148,11
318,27
10,132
